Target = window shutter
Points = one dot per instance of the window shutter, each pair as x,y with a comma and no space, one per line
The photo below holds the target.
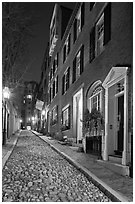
53,89
57,59
75,30
63,84
68,77
64,53
69,116
57,84
74,71
82,15
54,66
57,112
107,24
82,59
92,44
50,94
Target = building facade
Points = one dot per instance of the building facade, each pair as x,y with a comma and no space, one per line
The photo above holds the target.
91,66
28,103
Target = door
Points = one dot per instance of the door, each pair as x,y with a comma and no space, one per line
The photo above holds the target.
120,123
79,118
78,115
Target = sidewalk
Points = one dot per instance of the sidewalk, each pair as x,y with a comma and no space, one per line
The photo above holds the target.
8,148
120,188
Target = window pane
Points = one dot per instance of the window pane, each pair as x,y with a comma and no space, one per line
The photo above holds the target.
100,34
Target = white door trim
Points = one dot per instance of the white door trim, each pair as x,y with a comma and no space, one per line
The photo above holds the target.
80,94
114,76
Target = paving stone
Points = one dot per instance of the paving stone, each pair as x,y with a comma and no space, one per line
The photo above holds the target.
36,173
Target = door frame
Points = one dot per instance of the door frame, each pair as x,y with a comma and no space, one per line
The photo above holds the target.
115,75
115,119
75,128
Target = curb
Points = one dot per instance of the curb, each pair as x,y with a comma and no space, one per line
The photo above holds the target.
108,191
4,160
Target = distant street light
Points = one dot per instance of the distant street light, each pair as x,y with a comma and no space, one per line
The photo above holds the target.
6,95
43,112
33,118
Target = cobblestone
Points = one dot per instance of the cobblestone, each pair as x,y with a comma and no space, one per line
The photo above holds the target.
36,173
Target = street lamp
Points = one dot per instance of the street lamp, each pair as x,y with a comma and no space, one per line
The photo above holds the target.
6,94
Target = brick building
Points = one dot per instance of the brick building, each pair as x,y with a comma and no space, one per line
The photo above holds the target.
91,67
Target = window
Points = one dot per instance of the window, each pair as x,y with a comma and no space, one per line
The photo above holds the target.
55,64
101,33
51,74
66,81
53,35
54,88
79,21
54,115
92,4
66,48
96,99
66,118
78,64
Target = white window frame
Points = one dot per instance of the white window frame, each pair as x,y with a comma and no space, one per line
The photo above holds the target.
65,82
65,112
78,64
66,44
54,113
96,95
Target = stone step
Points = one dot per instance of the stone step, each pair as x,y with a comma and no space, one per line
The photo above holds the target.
115,159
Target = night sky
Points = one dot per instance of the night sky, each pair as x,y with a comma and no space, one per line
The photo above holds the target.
41,36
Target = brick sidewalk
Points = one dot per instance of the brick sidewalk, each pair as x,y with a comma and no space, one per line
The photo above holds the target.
8,148
123,185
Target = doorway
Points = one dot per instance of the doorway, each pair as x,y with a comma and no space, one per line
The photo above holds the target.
77,115
120,123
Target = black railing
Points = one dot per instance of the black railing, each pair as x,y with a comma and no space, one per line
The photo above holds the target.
93,145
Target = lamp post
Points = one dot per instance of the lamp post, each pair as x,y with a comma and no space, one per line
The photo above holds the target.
6,94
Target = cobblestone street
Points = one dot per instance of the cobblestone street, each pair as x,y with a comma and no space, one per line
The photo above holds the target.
35,172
